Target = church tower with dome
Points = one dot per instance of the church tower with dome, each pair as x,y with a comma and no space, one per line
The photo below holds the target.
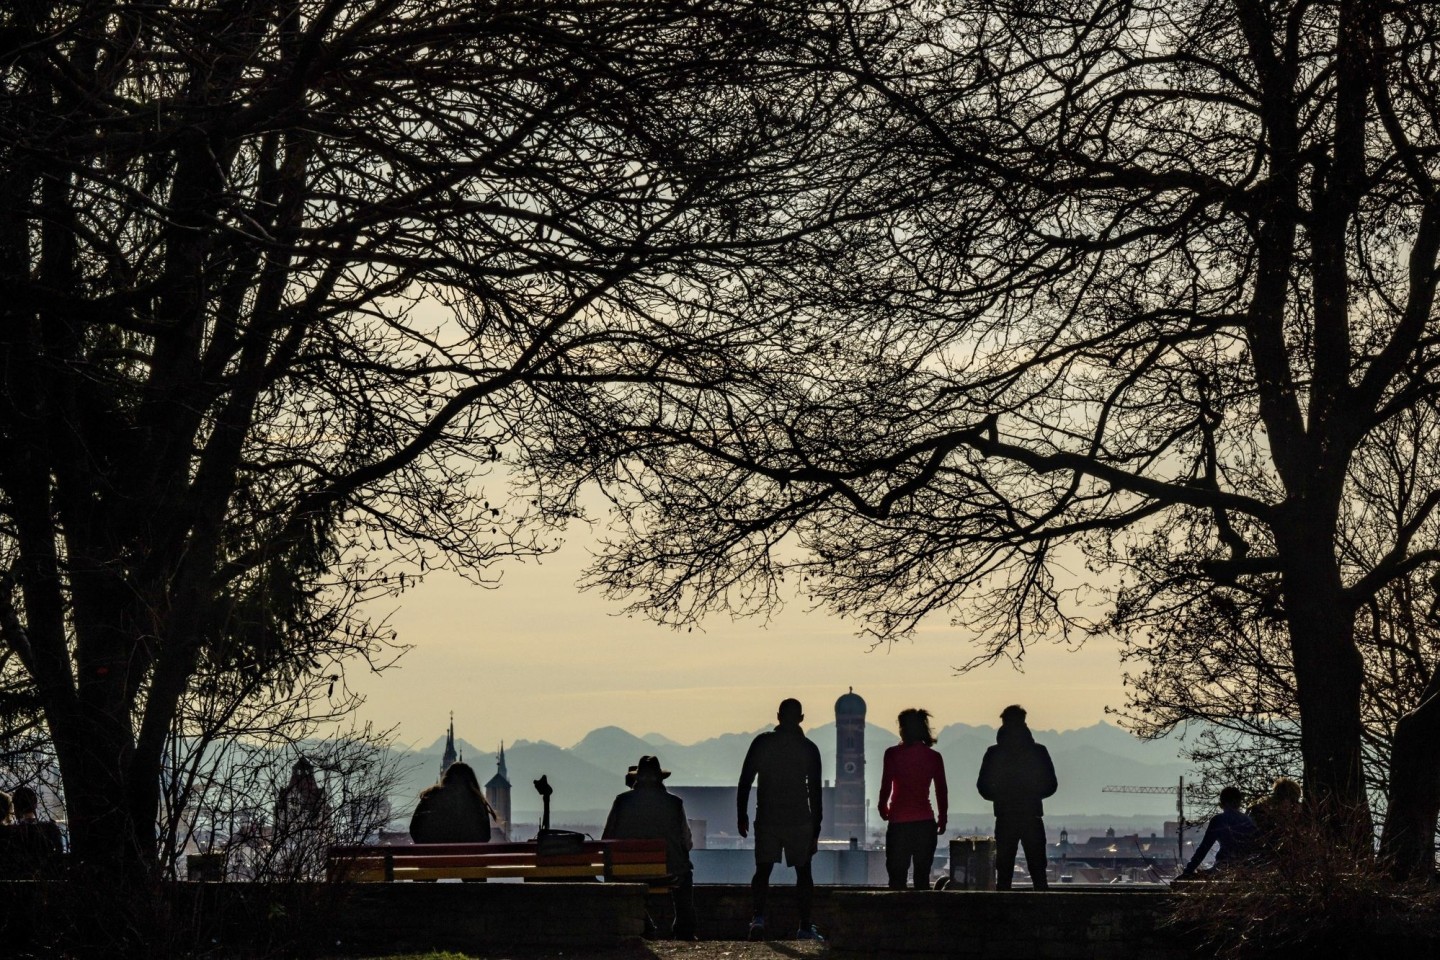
849,816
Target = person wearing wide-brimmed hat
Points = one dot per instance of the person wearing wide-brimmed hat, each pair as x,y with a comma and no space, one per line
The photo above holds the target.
647,811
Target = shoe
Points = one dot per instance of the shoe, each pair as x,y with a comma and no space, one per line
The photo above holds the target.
757,928
807,931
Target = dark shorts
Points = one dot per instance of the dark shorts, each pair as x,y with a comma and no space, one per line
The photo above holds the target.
795,840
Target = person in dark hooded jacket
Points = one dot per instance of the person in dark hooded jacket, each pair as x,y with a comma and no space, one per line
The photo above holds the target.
1016,776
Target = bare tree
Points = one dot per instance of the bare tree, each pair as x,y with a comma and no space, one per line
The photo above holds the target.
282,281
1219,653
1104,279
1217,659
269,814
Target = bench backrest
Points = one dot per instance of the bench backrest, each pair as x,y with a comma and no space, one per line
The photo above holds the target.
611,859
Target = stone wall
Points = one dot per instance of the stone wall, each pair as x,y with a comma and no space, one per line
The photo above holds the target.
376,919
722,912
465,916
330,919
975,925
368,920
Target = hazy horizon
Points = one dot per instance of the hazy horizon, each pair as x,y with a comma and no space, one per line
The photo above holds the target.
436,744
587,774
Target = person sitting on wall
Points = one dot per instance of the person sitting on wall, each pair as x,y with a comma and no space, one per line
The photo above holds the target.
1232,830
1275,816
29,845
647,811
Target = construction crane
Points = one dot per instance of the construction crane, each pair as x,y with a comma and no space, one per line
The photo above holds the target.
1179,791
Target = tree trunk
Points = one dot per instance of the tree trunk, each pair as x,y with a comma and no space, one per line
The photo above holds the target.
1407,844
109,828
1329,676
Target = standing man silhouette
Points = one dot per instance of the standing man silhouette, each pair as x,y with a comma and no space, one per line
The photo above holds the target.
1016,775
787,812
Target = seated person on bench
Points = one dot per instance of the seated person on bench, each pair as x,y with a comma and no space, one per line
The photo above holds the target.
647,811
452,811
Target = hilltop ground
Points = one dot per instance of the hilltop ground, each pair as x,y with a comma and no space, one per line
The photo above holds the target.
649,950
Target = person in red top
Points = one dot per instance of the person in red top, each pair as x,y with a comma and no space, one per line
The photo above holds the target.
910,767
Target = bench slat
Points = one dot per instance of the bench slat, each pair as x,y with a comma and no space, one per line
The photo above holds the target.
344,851
638,857
509,860
642,860
637,872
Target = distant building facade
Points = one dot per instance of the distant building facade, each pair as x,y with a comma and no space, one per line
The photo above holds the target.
1114,857
302,820
301,804
497,791
715,807
850,814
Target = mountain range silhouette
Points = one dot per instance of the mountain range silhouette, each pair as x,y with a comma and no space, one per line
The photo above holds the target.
588,774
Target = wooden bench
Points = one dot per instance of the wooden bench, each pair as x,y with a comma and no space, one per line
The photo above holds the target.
636,861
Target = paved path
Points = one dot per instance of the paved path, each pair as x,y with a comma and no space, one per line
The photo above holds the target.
733,950
655,950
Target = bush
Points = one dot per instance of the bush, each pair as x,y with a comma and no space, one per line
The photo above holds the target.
1313,897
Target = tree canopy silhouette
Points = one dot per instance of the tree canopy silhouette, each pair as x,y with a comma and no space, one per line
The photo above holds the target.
1143,284
282,281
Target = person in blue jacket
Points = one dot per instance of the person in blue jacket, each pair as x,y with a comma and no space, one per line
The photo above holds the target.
1233,830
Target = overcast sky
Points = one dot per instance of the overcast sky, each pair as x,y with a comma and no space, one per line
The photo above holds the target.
536,659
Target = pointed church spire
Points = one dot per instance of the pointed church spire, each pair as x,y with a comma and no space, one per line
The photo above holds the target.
502,776
497,792
450,756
